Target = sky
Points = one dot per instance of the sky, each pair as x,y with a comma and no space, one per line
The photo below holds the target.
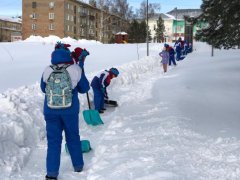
168,5
183,124
14,7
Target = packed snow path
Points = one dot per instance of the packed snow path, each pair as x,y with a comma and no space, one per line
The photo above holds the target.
151,136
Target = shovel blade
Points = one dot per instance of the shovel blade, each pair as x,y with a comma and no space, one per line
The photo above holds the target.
111,103
85,145
92,117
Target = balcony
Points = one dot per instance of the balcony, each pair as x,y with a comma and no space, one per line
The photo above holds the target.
83,14
92,17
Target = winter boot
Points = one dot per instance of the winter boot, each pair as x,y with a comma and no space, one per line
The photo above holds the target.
100,111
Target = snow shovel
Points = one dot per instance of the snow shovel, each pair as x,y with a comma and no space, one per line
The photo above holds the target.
111,103
91,116
85,144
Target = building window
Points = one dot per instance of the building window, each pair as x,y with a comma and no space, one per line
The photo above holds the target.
82,32
34,4
68,28
34,16
34,27
179,28
14,27
68,6
51,15
68,17
51,5
51,26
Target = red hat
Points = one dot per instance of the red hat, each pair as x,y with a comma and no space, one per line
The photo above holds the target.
78,51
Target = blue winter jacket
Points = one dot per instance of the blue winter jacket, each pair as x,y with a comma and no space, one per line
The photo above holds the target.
80,84
178,47
101,81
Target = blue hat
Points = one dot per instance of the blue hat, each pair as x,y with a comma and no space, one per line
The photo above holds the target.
114,71
61,56
166,45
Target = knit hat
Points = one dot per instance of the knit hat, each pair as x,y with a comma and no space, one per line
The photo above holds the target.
78,51
61,54
114,71
166,45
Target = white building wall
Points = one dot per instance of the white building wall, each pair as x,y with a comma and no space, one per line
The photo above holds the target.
168,23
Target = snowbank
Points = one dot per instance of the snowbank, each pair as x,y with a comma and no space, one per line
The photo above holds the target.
53,39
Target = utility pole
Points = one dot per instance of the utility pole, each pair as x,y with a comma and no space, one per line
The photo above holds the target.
212,51
176,23
147,32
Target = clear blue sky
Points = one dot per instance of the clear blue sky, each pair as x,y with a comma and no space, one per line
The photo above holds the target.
168,5
14,7
10,7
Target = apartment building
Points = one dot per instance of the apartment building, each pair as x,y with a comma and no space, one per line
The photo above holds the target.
10,29
71,18
174,23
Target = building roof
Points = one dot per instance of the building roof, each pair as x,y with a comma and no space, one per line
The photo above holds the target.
11,19
180,13
163,16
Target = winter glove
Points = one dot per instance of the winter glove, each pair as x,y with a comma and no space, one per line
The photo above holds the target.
82,57
85,53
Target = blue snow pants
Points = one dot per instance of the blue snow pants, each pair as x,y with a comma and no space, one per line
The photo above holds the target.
172,59
55,124
98,99
179,56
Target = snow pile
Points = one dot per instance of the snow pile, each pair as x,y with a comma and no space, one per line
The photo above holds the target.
53,39
21,127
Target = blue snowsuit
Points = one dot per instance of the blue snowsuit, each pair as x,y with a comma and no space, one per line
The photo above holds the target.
185,51
179,51
67,119
99,85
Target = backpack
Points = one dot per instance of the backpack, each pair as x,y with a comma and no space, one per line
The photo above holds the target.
59,88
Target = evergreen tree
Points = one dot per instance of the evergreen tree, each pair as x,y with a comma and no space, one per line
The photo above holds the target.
143,31
133,32
137,32
160,29
223,18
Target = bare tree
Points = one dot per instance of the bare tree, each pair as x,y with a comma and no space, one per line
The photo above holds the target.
152,9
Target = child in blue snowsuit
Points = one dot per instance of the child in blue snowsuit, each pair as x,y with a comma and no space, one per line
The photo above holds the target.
67,120
99,85
171,55
185,50
178,51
